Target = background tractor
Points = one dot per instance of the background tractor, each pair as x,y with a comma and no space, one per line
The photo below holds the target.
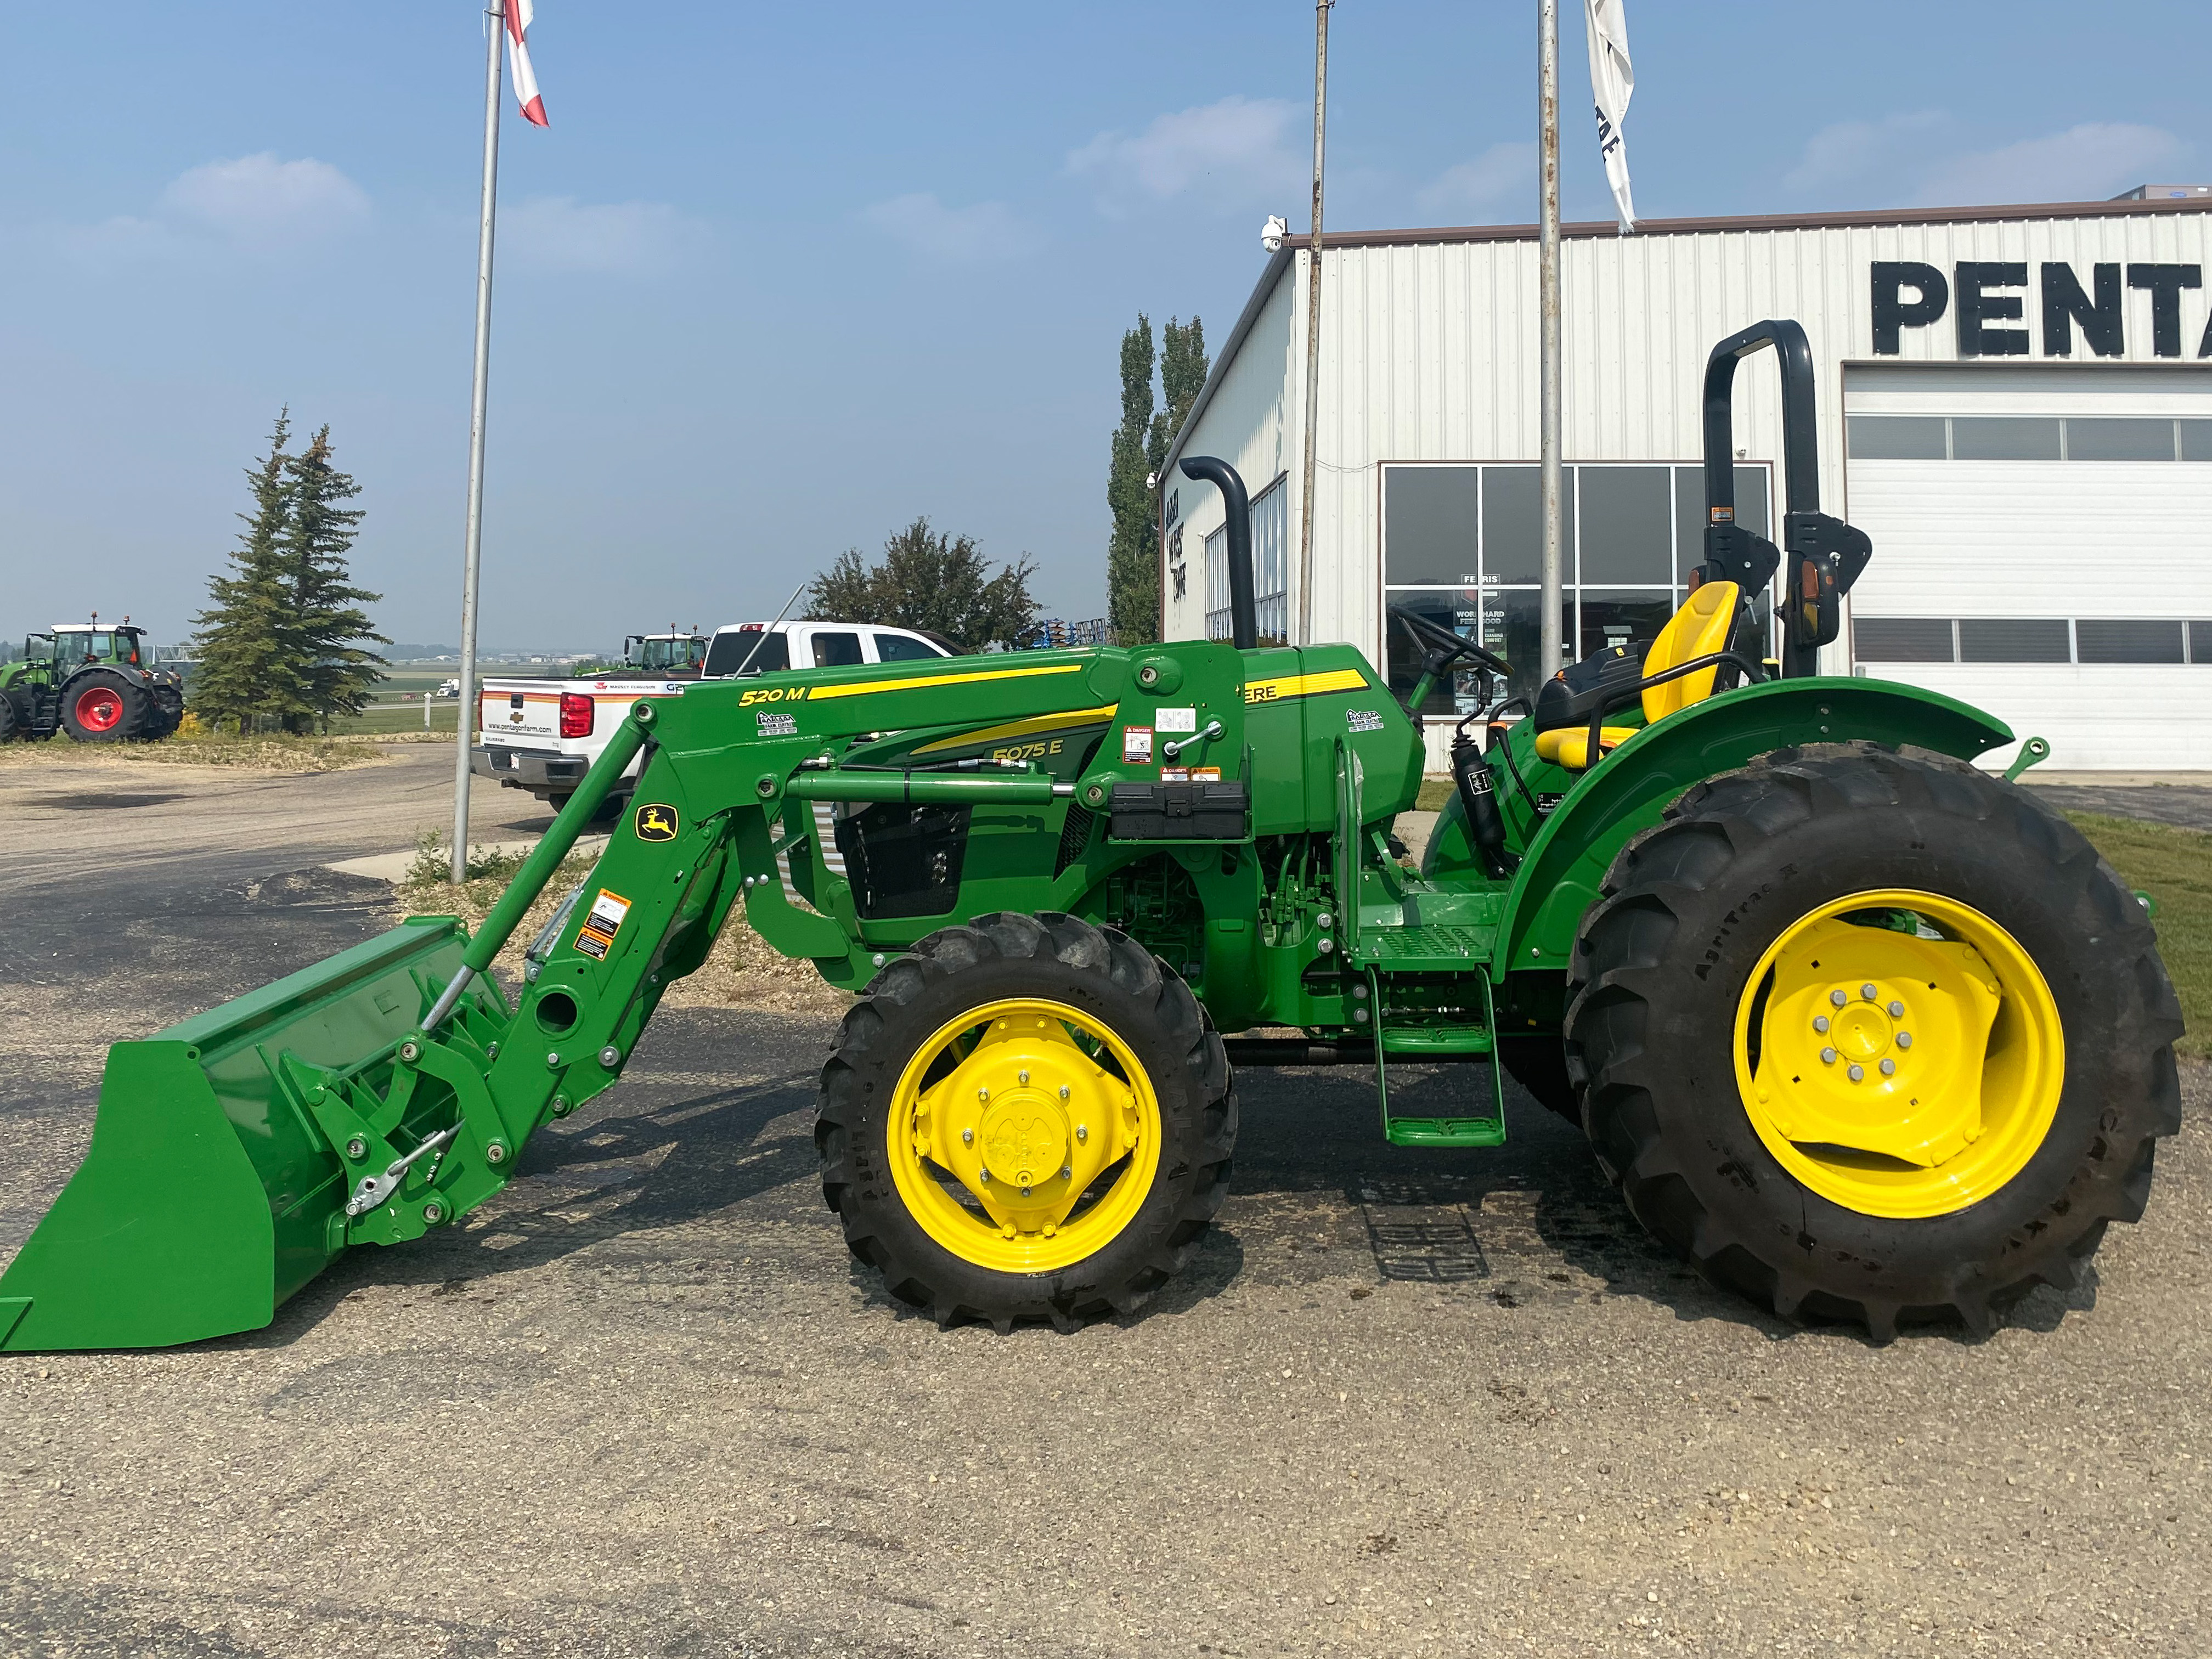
1858,1029
93,681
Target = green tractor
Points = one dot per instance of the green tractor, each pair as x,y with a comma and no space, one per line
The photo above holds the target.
1860,1030
91,680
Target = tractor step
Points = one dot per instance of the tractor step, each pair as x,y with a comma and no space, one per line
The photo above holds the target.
1444,1131
1441,1041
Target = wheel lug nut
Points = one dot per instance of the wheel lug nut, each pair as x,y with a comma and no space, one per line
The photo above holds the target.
967,1136
1828,1056
1067,1172
1869,992
1905,1039
1025,1192
983,1094
1021,1077
1063,1092
1819,1022
1857,1072
1897,1011
1082,1132
1837,998
1888,1067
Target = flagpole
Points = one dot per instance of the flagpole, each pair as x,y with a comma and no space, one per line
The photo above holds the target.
473,545
1555,516
1313,328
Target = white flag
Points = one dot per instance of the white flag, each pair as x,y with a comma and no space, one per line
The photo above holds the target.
518,54
1612,82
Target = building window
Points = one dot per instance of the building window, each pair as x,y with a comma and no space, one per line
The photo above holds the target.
1879,640
1271,564
1217,584
2026,438
1463,545
1271,567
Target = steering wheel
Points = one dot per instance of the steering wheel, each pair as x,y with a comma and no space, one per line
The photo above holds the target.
1442,646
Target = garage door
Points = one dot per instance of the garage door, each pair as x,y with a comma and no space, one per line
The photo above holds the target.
2042,549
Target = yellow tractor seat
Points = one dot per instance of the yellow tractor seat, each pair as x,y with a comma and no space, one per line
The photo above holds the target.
1699,629
1569,745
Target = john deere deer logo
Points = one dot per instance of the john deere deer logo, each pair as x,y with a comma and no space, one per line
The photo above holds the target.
656,823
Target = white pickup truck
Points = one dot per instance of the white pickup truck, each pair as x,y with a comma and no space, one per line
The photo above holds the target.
542,735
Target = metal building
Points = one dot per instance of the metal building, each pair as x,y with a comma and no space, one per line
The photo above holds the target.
2015,404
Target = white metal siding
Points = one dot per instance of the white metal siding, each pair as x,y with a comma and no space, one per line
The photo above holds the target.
1428,353
1244,424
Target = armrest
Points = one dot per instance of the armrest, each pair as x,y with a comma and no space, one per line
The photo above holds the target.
1628,693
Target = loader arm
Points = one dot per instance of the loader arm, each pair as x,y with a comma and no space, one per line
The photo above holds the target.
391,1090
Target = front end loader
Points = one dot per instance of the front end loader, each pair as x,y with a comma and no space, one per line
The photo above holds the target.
1858,1029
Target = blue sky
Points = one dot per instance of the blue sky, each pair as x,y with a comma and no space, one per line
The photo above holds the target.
779,278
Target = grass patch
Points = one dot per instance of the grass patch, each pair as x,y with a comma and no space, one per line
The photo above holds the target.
741,971
2174,866
1435,791
265,752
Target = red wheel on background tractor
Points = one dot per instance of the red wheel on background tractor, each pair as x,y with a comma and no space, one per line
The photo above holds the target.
103,708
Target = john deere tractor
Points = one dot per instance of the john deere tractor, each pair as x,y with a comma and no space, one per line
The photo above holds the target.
1861,1031
93,681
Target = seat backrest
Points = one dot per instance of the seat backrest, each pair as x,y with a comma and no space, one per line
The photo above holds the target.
1700,628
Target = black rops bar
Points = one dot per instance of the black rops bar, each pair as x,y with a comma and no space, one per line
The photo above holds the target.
1243,610
1826,554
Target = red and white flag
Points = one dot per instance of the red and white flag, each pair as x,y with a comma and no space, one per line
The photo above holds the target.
517,55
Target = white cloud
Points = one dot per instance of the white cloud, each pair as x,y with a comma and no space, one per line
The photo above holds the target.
1500,173
254,204
982,233
260,200
625,239
1920,158
1227,154
1852,151
2083,163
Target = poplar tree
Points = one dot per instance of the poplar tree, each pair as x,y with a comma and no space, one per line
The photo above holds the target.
1132,573
330,633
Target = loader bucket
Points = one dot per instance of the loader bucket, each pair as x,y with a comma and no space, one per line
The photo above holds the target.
209,1195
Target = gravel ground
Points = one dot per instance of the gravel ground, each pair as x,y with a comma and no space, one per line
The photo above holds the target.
1404,1403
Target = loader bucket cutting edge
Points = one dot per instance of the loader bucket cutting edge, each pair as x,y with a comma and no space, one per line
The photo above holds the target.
208,1195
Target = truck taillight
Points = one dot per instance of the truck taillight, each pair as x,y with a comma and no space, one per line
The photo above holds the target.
576,711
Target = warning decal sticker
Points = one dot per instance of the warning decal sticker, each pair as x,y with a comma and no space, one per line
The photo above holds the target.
1136,745
596,936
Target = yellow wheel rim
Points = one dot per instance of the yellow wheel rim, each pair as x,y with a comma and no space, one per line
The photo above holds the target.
1025,1135
1899,1052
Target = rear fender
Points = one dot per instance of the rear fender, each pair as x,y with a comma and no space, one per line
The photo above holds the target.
1565,865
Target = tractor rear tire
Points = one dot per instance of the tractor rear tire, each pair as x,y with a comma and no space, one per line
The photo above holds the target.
910,1217
103,706
1676,977
8,722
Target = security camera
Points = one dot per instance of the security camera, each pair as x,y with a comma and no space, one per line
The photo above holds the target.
1272,233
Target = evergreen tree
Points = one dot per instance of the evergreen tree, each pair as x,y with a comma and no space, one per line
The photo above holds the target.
1133,574
932,582
329,631
246,667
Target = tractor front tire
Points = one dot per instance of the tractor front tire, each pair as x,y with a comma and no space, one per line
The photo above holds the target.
1872,1037
1026,1118
103,707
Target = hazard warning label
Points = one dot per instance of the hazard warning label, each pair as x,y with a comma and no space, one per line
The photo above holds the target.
596,936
